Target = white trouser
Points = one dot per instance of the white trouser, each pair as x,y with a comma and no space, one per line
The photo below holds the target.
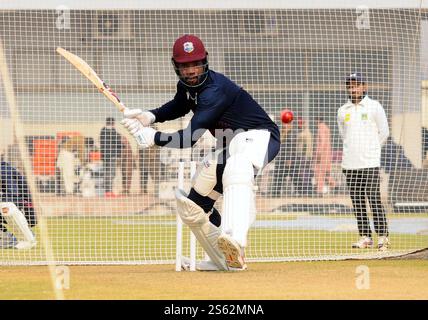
248,150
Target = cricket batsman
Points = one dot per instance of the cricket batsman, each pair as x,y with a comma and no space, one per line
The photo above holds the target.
247,140
17,215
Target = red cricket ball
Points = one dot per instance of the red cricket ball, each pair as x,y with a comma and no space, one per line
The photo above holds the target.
286,116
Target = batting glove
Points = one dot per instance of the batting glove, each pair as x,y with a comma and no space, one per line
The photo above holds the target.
145,136
146,117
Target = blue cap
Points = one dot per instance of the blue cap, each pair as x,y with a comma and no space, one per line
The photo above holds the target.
355,76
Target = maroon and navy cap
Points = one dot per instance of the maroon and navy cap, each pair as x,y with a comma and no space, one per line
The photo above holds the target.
188,48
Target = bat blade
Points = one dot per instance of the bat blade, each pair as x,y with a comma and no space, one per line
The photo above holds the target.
92,76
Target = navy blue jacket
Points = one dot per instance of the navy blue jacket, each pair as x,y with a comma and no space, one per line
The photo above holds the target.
14,187
216,104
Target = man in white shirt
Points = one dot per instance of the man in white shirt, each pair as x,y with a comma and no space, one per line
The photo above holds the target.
363,127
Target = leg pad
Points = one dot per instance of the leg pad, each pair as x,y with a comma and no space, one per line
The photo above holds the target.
205,232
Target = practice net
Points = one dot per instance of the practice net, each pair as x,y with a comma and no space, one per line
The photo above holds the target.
286,57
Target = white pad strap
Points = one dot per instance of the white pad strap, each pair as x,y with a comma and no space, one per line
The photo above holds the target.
238,204
205,178
205,232
16,222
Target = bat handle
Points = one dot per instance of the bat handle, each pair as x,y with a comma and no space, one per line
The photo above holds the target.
140,117
122,107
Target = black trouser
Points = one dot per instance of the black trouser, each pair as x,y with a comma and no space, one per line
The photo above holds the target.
144,165
109,173
362,184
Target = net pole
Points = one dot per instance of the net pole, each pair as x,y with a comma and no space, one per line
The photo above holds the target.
179,233
19,134
192,236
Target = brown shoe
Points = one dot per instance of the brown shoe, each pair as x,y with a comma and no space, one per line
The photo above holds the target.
232,252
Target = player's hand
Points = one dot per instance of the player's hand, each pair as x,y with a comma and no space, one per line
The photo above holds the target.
145,136
145,117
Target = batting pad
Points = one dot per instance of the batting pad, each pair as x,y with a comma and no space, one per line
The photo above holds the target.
238,203
205,232
18,225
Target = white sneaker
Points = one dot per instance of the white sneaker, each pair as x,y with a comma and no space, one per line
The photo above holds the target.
363,243
204,265
383,243
232,251
25,245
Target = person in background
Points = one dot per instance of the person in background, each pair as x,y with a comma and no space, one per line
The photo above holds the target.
323,158
304,151
393,157
16,200
363,127
285,161
66,163
126,166
111,150
304,139
425,146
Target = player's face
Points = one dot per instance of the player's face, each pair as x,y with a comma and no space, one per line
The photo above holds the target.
356,89
191,71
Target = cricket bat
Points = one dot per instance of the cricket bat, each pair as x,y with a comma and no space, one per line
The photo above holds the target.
89,73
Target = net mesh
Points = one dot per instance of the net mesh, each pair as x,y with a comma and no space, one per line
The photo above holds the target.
110,207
